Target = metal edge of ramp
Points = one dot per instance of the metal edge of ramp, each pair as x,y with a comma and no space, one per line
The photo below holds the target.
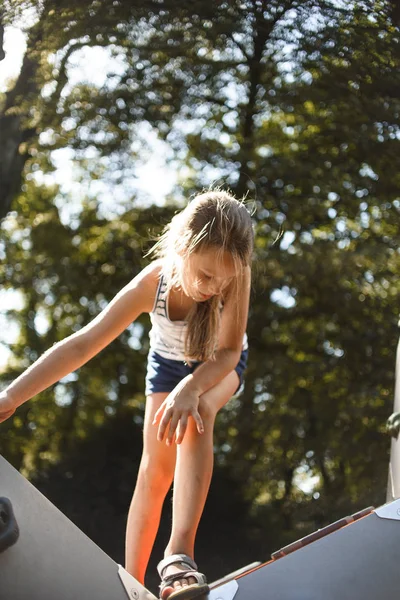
235,574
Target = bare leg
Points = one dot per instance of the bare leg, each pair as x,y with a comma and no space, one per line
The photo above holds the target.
193,473
153,482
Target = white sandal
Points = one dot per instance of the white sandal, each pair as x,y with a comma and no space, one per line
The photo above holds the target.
188,592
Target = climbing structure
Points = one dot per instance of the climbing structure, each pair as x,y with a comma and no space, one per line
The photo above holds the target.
43,556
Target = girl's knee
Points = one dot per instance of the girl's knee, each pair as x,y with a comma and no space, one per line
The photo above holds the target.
155,473
207,410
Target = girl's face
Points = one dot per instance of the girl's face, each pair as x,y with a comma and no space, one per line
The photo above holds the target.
207,273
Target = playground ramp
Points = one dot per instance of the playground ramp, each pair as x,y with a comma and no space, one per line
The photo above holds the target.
43,556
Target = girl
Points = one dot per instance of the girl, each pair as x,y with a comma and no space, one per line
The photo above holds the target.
197,294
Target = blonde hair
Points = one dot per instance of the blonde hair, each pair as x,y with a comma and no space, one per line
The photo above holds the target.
213,219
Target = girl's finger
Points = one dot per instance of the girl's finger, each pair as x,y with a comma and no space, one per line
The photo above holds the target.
158,414
172,428
199,421
163,424
181,429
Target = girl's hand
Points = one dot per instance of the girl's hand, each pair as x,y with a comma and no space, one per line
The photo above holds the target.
7,406
175,411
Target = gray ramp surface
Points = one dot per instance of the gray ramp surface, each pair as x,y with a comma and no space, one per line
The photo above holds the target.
52,559
357,562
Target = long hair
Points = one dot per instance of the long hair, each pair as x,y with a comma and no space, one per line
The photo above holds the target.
213,219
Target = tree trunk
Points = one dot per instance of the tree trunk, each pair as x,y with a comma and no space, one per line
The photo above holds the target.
15,130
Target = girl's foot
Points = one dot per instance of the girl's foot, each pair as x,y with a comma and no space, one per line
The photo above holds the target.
180,579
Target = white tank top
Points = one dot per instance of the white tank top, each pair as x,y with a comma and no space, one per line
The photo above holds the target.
167,337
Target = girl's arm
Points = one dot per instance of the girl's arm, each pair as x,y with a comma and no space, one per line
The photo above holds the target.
74,351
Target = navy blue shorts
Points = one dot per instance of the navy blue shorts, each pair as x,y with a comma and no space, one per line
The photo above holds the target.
164,374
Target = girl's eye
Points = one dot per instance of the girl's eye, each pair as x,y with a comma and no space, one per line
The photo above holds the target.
204,276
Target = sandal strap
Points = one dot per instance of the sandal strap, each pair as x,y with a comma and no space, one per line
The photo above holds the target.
168,579
201,583
180,559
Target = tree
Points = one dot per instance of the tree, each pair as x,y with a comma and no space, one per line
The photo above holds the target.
32,104
178,62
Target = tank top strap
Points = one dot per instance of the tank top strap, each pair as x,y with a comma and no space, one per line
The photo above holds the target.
160,303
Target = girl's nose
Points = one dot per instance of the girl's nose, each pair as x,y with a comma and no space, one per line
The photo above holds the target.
216,288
